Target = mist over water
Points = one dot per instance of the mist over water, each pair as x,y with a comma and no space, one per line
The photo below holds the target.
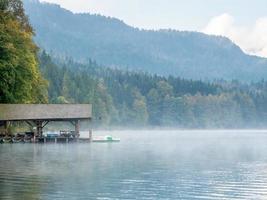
144,165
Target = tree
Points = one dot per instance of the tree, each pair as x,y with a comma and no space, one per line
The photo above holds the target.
21,80
139,109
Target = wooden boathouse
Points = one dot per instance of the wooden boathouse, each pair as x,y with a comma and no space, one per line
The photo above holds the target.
39,115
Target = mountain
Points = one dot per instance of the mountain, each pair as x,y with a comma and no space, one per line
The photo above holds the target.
112,43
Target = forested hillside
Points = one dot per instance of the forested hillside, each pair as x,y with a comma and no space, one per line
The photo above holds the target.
129,99
112,43
121,98
21,81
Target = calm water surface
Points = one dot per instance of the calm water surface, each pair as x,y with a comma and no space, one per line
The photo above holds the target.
144,165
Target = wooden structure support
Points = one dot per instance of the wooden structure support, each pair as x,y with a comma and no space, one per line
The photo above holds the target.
77,128
6,124
39,115
90,135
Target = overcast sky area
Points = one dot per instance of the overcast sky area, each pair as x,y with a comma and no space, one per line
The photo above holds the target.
243,21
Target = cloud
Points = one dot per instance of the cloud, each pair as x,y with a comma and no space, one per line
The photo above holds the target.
253,40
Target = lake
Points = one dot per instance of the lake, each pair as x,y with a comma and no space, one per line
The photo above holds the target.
144,165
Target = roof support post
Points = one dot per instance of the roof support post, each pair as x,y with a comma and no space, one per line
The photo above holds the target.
90,135
39,126
6,125
77,128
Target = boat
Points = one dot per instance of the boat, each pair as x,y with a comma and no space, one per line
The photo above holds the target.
52,135
106,138
28,137
17,140
7,140
27,140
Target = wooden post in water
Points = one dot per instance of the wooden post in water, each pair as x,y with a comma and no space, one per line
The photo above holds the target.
6,127
77,128
39,126
90,135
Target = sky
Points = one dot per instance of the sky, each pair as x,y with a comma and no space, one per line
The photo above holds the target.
243,21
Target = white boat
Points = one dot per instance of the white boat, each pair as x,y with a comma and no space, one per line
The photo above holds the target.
106,138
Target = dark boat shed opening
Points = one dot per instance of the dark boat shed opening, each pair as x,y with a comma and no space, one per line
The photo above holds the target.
39,115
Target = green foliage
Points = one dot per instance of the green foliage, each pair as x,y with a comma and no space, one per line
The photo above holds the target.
123,98
21,81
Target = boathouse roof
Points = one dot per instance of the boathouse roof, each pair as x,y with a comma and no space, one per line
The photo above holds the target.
52,112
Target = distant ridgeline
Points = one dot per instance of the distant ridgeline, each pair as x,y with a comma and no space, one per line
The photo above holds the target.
131,99
112,43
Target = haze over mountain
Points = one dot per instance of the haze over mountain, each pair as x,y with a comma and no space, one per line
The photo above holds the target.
112,43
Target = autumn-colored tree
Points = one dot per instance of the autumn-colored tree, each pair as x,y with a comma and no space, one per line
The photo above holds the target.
21,80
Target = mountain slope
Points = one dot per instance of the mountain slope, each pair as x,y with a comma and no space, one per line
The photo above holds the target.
112,43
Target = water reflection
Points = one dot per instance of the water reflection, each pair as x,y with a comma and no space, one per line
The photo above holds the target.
144,165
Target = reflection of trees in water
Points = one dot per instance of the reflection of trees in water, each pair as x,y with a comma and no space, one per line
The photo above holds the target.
29,189
19,175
